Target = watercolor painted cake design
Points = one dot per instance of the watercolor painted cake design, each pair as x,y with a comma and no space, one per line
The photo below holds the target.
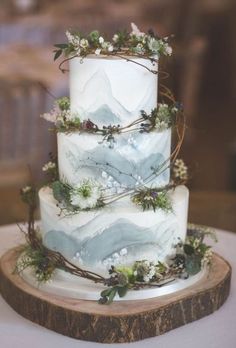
116,203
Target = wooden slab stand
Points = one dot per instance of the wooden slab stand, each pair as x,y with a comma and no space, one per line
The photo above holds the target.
124,321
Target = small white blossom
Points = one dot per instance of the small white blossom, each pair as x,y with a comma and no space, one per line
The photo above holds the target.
98,51
180,170
110,48
168,50
70,37
139,48
73,40
84,43
51,116
115,38
48,166
207,257
101,40
26,189
196,243
161,125
135,31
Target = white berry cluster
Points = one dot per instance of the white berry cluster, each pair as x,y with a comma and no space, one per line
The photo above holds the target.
180,170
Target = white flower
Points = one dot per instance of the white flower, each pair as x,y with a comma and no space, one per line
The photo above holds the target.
110,48
154,45
98,51
161,125
73,39
51,116
115,38
84,43
85,195
180,169
135,31
101,40
48,166
139,48
69,36
26,189
168,50
57,115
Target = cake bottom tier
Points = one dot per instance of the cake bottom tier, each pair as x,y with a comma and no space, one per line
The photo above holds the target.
119,234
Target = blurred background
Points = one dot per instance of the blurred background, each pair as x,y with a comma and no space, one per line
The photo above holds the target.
202,75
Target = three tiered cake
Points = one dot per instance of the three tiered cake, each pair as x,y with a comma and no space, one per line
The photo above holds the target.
115,207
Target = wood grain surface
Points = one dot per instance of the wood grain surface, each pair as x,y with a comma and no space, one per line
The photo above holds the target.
124,321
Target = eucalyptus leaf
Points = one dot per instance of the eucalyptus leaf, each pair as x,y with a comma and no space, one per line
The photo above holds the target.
106,292
188,249
122,291
112,295
193,264
60,191
62,46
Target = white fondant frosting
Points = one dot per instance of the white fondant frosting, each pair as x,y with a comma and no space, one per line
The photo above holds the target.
97,239
133,159
112,90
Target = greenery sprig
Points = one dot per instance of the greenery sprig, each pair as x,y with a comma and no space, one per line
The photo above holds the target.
153,198
162,117
123,45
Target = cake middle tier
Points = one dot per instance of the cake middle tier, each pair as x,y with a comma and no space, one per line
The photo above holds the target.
128,161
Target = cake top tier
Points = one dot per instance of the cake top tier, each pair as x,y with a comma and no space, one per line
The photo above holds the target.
112,91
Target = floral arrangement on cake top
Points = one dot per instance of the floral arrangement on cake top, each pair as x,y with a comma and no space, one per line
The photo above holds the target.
123,44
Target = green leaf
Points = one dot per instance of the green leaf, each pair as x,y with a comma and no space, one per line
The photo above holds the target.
188,249
60,191
193,264
122,291
61,46
106,292
57,54
112,295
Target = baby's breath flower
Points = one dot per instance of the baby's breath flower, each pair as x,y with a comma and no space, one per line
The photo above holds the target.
180,170
48,166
